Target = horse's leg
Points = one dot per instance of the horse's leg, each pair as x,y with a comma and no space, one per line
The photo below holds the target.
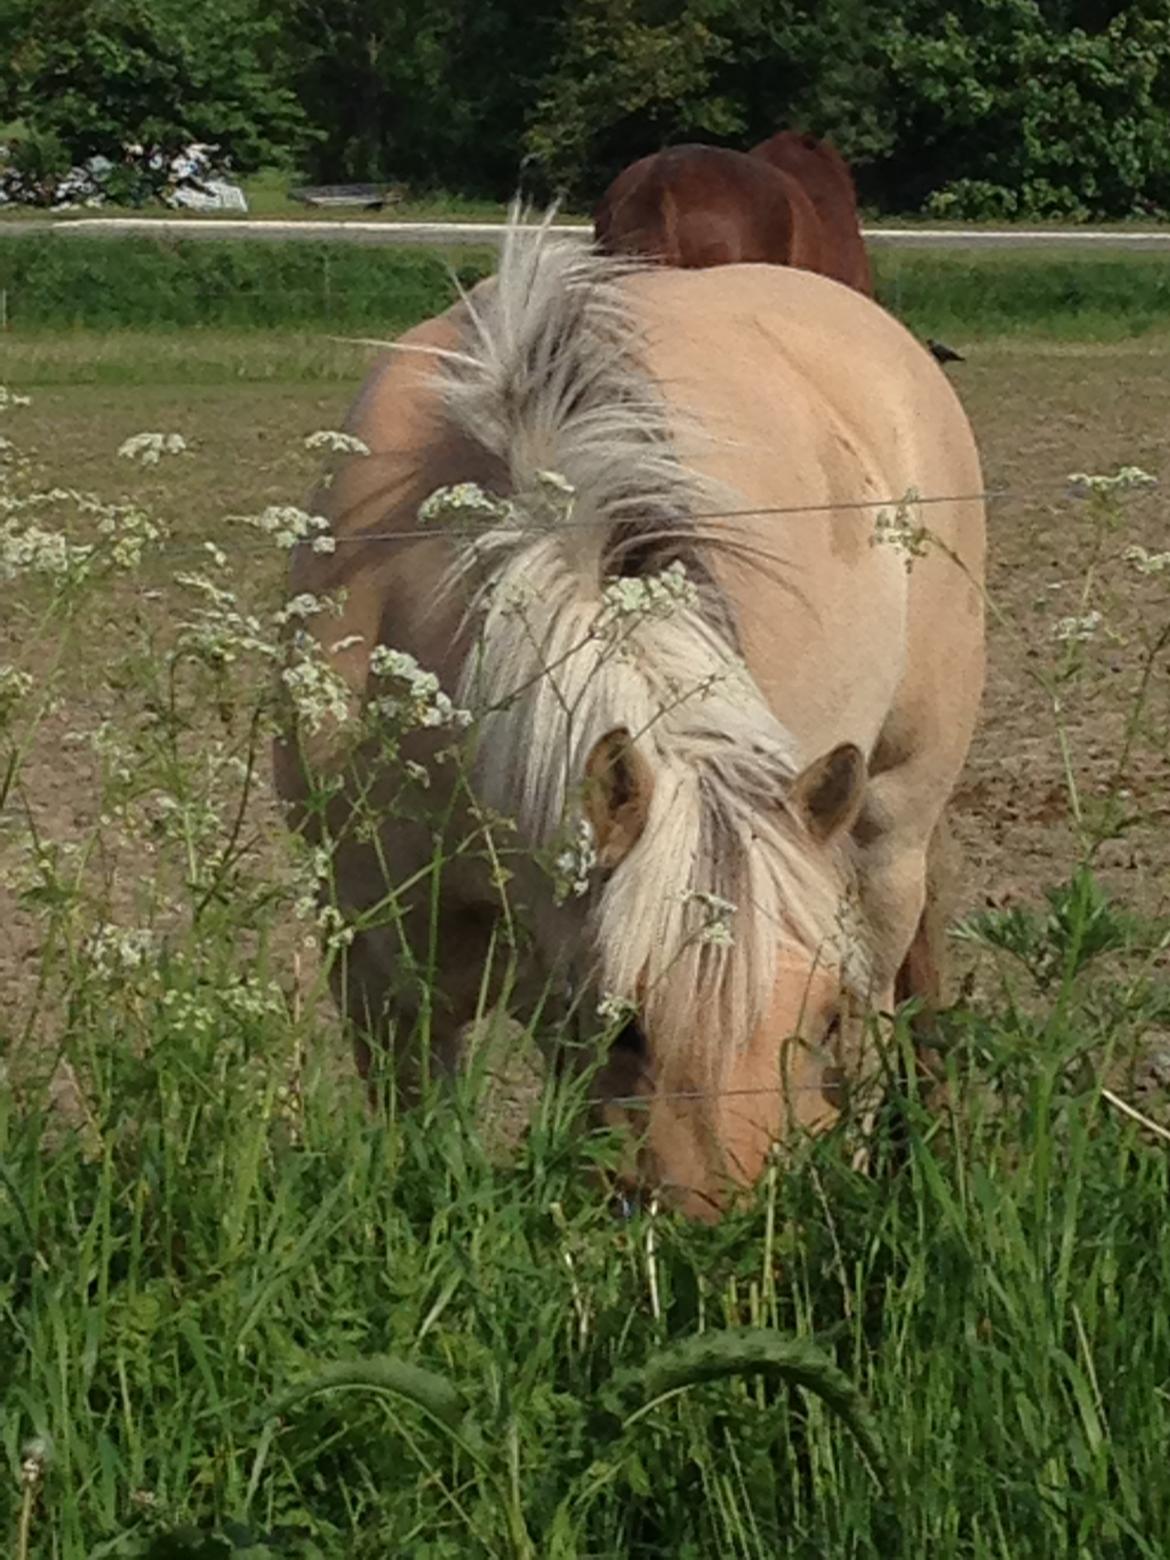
922,973
922,976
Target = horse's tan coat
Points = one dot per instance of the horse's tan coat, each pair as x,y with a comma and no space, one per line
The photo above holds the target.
817,401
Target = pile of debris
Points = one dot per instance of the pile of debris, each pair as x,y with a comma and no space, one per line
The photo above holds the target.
193,180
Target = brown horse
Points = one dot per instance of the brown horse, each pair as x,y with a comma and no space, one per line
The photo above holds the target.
702,675
824,176
697,206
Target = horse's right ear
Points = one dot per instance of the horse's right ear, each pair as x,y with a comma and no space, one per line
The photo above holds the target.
829,793
618,786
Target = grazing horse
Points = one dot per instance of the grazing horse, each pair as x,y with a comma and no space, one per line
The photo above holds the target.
696,206
695,657
823,174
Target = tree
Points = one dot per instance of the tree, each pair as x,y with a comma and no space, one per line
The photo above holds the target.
136,83
436,92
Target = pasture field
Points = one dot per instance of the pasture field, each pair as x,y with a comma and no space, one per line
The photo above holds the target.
198,1215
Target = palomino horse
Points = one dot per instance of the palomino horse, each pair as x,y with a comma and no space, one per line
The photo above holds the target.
824,176
701,637
695,206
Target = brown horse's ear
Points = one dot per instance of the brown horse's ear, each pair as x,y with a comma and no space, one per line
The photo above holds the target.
618,786
828,795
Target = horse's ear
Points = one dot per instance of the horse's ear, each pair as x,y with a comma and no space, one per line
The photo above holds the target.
828,795
618,786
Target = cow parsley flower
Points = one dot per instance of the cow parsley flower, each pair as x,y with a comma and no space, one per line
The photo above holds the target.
465,502
647,596
338,443
114,951
319,695
1077,630
574,863
418,699
900,531
717,916
149,448
1127,479
288,526
612,1009
1147,562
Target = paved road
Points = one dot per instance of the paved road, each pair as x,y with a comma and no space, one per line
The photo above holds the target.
446,234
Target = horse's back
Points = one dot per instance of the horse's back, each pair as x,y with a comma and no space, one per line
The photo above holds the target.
767,344
825,177
821,412
700,206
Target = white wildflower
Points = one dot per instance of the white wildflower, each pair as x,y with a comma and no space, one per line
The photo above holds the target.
339,443
216,554
421,701
467,501
129,532
1126,479
35,1456
574,863
717,917
613,1009
34,550
9,399
318,693
218,632
14,686
899,530
114,951
298,609
312,873
149,448
1147,562
288,526
1077,629
336,934
647,596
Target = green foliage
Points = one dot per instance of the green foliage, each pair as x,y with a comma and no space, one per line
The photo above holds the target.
176,283
1004,109
977,110
136,82
1010,116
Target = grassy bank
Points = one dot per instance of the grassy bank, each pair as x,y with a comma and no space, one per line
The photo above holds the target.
145,284
148,284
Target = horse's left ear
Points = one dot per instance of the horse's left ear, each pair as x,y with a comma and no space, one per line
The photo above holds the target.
618,786
828,795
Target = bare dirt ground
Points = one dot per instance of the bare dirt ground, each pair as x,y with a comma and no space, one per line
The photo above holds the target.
1040,411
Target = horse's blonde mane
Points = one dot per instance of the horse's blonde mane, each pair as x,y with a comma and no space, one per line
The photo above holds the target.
548,378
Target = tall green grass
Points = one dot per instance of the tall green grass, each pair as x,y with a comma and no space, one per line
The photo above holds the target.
225,1222
167,283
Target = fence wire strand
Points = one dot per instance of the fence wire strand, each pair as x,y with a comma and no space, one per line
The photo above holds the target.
1066,492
